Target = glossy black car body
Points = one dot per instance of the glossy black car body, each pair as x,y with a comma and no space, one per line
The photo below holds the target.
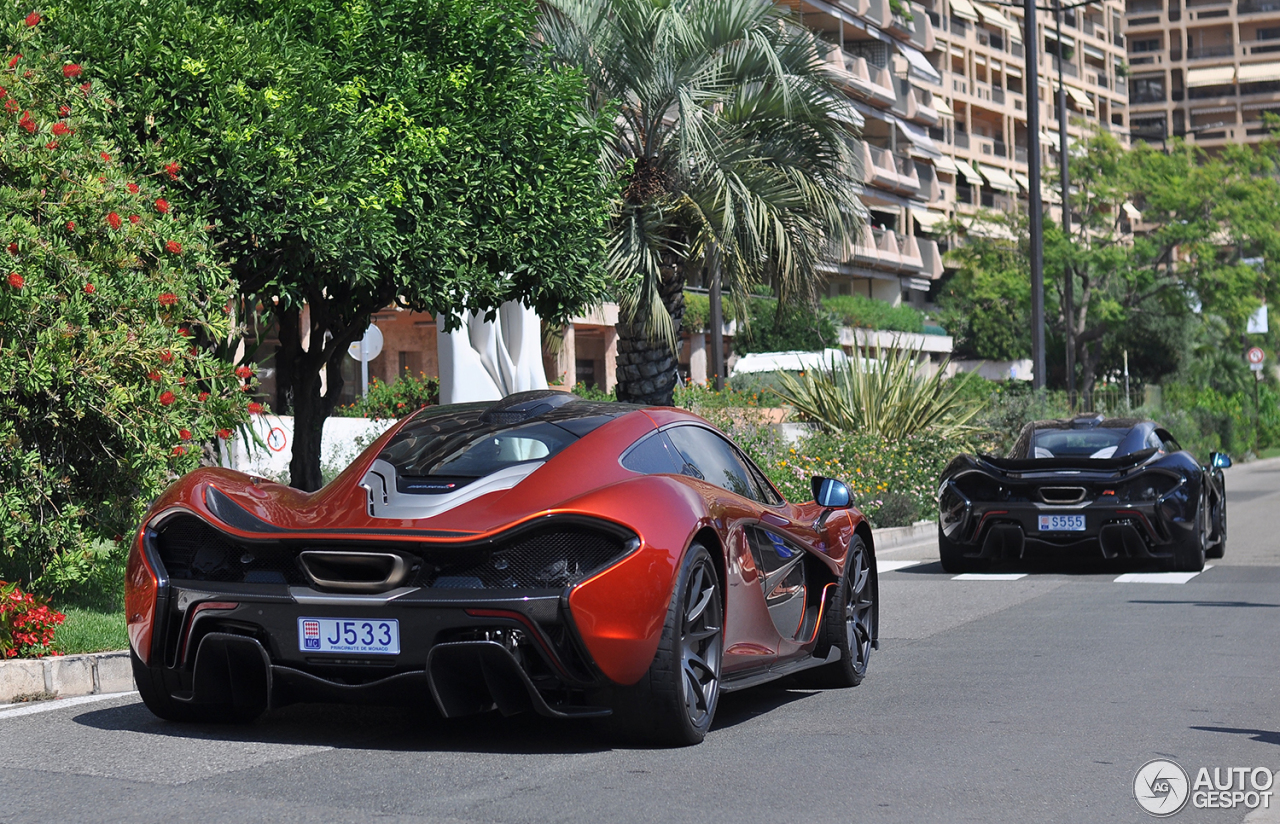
1090,486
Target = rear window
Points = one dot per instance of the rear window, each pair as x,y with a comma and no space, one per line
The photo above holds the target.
458,444
1078,443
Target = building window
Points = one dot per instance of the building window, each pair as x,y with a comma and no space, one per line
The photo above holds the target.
1152,45
585,371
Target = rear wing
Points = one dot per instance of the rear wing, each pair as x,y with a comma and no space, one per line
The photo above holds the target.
1085,464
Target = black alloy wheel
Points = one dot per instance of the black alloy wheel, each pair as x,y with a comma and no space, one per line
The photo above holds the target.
674,703
1189,553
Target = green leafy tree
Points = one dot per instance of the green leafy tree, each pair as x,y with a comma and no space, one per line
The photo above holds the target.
111,305
986,303
355,155
735,146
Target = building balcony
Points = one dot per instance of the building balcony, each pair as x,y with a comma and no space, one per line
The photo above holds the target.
1258,6
858,7
1206,52
1145,7
909,258
930,188
878,12
1251,47
864,81
864,251
900,27
961,139
887,254
922,37
915,104
1068,69
884,170
930,258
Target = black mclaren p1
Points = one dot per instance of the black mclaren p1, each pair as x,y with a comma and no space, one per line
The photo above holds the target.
1090,486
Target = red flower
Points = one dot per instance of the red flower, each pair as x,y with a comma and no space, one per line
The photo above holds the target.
33,19
182,381
172,170
162,206
16,281
71,225
60,129
202,397
224,433
13,61
113,220
27,123
246,388
85,87
71,70
173,246
153,375
167,398
11,105
244,372
134,219
166,357
184,331
89,289
105,156
13,247
179,451
51,145
168,299
132,187
64,110
255,408
185,434
194,352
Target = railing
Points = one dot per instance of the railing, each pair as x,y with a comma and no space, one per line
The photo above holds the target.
1199,52
1148,97
909,251
959,84
1015,49
1256,6
1195,4
1144,6
938,134
930,257
1099,80
997,95
930,188
981,91
959,26
1020,154
882,80
962,140
1069,69
999,148
878,12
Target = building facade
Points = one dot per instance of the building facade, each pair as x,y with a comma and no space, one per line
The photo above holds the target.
1207,70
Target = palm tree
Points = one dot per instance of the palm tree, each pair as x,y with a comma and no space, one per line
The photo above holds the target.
734,147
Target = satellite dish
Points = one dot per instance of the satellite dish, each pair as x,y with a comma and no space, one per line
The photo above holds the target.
370,344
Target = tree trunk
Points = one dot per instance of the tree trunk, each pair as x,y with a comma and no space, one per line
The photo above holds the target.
647,367
287,355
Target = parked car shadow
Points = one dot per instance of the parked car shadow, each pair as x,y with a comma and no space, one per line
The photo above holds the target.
1049,565
1261,736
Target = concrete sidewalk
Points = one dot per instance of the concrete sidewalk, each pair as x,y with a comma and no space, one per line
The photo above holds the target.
65,675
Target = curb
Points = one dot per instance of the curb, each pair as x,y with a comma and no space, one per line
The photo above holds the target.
900,535
65,675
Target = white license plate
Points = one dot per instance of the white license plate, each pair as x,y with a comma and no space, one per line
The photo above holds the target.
1062,523
360,635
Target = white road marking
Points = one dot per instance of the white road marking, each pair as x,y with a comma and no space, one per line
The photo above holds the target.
61,703
1158,577
890,566
989,576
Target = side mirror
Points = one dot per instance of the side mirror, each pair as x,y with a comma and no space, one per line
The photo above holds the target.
1219,460
831,493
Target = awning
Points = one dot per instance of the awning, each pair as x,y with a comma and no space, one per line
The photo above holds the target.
1131,211
1217,110
920,65
1066,38
999,179
1012,71
929,221
979,60
965,9
985,228
1258,72
970,175
1023,181
1093,52
1082,99
994,17
942,107
945,164
919,138
1216,76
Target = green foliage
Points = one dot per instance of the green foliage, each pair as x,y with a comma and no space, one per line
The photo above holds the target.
697,311
887,398
867,313
593,393
392,401
986,302
776,326
88,630
702,400
109,315
353,155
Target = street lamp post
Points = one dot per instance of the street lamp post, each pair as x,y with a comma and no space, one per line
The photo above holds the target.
1068,276
1035,208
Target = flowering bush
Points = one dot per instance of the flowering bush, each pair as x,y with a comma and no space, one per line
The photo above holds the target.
27,624
394,400
109,315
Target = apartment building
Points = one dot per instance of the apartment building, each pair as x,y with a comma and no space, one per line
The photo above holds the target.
1207,70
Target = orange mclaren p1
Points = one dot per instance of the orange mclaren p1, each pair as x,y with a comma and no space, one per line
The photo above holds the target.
543,553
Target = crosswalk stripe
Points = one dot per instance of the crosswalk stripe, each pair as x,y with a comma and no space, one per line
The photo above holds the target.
989,576
890,566
1158,577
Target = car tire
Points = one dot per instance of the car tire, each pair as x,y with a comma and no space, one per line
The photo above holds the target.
157,698
849,624
675,702
953,559
1219,518
1189,554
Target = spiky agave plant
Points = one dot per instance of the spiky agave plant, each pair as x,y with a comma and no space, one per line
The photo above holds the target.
886,396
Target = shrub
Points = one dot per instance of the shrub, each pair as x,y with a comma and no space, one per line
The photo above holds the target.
27,624
111,306
867,313
394,400
785,327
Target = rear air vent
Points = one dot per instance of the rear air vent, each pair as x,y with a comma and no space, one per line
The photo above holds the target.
191,550
1062,494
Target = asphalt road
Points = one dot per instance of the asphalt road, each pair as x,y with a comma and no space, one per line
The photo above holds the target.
1029,699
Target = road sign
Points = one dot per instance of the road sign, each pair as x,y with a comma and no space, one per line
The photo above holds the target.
1255,356
365,350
